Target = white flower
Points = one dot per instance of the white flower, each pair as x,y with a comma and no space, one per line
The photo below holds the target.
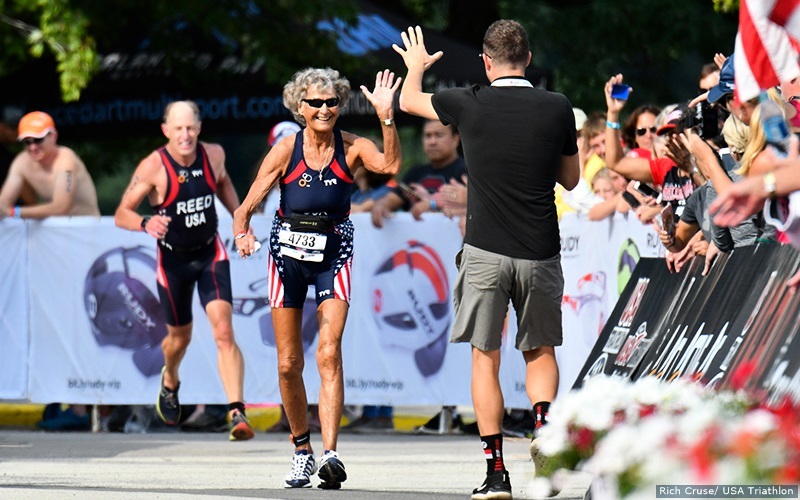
651,427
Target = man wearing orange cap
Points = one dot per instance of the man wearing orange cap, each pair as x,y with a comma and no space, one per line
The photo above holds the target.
57,177
54,173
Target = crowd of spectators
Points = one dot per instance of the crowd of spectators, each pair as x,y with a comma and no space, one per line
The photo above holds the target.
655,162
667,163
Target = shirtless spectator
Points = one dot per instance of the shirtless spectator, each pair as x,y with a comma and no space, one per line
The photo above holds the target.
55,179
55,174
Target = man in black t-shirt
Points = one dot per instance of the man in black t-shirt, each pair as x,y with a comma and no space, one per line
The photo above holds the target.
415,192
518,142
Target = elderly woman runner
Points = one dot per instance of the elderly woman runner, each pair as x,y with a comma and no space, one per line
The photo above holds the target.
311,242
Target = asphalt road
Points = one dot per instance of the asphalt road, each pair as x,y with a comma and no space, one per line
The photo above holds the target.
84,465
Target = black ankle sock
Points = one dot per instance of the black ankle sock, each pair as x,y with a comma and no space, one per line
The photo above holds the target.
493,451
236,405
302,439
540,411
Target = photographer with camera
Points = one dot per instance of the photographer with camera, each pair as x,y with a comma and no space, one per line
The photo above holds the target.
722,168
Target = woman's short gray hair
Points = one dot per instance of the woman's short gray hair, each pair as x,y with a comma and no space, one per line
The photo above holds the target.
323,78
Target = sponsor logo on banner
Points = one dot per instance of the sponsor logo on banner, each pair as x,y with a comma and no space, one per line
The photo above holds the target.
598,367
616,339
411,305
628,257
123,307
634,349
635,300
629,349
690,358
590,289
258,304
570,247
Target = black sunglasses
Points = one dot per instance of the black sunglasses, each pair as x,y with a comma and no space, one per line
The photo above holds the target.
31,140
317,103
641,131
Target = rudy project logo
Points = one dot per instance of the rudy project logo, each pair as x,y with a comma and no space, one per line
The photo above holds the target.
591,287
258,304
411,305
122,305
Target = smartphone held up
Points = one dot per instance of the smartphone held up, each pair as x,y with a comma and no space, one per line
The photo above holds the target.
647,190
620,91
666,220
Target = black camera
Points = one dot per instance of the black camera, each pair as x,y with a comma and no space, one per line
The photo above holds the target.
703,117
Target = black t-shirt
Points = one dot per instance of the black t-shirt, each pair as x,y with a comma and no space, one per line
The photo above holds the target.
431,178
514,138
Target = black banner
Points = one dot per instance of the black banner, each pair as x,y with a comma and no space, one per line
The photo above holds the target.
736,327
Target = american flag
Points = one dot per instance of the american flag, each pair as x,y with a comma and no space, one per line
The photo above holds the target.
767,45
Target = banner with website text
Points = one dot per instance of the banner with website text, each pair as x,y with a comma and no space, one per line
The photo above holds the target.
95,328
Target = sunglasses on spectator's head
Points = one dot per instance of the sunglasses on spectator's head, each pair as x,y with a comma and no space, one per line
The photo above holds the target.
33,140
641,131
317,103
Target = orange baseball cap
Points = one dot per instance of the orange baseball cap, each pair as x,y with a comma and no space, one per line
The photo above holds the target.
36,124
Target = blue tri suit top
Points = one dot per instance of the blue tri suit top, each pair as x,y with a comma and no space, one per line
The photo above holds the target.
319,193
311,192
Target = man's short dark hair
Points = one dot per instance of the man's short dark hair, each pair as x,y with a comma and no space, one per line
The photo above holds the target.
506,41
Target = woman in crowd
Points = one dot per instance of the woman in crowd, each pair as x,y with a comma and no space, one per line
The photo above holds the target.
639,131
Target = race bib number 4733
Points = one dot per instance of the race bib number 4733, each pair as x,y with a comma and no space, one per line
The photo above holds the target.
302,246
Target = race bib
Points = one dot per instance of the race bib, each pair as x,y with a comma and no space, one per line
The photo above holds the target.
302,246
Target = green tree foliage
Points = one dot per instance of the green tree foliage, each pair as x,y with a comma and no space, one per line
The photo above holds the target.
281,32
59,28
658,47
726,5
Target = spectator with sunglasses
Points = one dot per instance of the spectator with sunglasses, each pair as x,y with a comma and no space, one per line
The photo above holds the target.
639,131
56,177
55,174
311,243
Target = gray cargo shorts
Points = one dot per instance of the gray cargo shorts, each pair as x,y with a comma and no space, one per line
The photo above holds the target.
487,281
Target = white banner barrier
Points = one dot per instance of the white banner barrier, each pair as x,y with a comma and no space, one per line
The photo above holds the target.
14,307
95,327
